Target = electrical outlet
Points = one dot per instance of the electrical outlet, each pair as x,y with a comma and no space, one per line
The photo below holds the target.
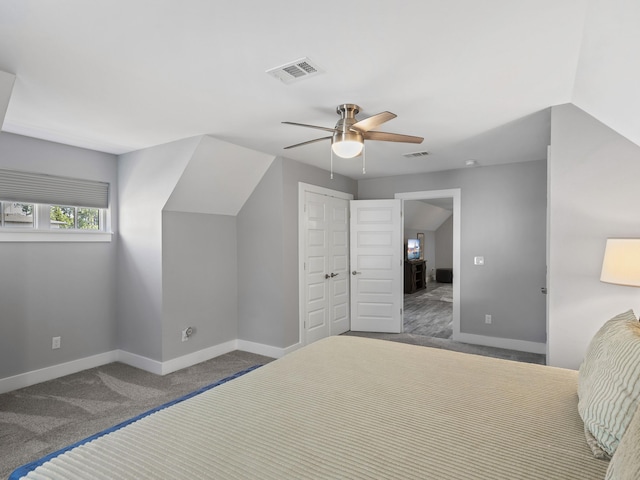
55,343
186,333
487,319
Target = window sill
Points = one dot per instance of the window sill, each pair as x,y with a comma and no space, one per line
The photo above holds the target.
7,235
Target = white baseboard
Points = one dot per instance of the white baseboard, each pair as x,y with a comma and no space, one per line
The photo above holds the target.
508,343
200,356
266,350
138,361
55,371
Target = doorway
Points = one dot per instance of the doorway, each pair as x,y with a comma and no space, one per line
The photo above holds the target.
436,196
428,304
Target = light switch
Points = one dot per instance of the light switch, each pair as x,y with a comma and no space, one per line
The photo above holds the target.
478,260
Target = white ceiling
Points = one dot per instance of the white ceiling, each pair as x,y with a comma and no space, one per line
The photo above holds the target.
476,79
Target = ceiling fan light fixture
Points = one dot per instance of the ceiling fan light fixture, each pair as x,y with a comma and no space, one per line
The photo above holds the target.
347,144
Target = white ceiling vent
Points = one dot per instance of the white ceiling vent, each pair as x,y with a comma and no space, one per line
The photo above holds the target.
415,154
293,71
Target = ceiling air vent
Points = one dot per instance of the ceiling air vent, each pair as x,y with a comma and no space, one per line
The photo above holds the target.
415,154
294,71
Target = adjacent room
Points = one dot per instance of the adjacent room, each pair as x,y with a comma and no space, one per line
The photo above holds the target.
278,239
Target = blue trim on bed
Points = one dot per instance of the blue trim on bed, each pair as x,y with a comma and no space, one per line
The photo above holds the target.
25,469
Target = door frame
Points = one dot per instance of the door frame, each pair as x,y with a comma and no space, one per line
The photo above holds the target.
302,189
454,193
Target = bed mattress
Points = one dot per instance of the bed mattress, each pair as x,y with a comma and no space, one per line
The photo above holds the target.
349,407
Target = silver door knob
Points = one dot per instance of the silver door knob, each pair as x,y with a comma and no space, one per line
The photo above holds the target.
355,273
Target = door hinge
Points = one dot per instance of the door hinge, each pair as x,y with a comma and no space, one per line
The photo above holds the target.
401,312
304,265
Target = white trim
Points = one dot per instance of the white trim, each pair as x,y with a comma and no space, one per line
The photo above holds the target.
19,235
138,361
266,350
508,343
302,189
456,194
49,373
200,356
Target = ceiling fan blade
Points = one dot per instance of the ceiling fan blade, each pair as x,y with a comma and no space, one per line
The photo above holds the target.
392,137
373,121
307,143
326,129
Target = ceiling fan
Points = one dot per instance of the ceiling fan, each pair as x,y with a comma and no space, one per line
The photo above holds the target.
349,134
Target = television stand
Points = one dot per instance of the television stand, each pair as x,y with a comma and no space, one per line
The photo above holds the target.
415,275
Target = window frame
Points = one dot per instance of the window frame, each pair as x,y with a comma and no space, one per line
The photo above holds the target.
42,231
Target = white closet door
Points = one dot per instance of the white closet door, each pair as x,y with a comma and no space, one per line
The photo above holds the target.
326,283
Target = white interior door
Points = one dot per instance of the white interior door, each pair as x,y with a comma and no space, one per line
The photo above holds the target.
326,266
376,264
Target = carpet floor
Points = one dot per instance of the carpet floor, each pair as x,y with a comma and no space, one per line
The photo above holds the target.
43,418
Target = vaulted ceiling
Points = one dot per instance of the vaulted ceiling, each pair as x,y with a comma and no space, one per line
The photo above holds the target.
475,79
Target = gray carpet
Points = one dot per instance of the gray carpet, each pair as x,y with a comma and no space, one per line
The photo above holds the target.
46,417
449,344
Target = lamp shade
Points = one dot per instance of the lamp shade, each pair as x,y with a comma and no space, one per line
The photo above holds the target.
621,263
347,144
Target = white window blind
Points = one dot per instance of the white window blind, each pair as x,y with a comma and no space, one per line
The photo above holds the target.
53,190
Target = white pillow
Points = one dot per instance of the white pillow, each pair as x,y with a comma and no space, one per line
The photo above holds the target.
609,383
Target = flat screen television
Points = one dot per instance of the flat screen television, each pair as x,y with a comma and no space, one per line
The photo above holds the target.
413,249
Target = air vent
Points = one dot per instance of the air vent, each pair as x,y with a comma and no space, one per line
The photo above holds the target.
415,154
294,71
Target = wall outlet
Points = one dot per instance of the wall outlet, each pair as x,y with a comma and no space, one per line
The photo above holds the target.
487,319
186,333
55,343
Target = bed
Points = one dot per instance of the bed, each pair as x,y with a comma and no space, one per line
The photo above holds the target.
357,408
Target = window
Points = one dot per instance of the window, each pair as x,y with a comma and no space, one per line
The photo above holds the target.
79,218
39,207
45,217
17,215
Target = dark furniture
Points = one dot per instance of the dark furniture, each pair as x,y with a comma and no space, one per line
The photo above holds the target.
415,275
444,275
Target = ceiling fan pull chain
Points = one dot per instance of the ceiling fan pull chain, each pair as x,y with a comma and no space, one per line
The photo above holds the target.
364,169
331,163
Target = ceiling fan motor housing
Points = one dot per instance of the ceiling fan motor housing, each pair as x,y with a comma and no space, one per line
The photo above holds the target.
347,112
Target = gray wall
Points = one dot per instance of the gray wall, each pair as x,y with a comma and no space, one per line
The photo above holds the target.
56,289
444,244
503,215
146,179
268,248
593,194
199,281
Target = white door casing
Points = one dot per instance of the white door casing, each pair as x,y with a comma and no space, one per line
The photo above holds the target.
376,264
454,193
324,260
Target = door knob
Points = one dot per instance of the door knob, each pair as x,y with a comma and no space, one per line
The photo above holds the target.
543,290
326,276
355,273
334,274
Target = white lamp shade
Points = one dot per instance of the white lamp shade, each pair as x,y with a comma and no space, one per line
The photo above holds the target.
621,263
347,148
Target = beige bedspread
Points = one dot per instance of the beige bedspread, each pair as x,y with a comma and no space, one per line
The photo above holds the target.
357,408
